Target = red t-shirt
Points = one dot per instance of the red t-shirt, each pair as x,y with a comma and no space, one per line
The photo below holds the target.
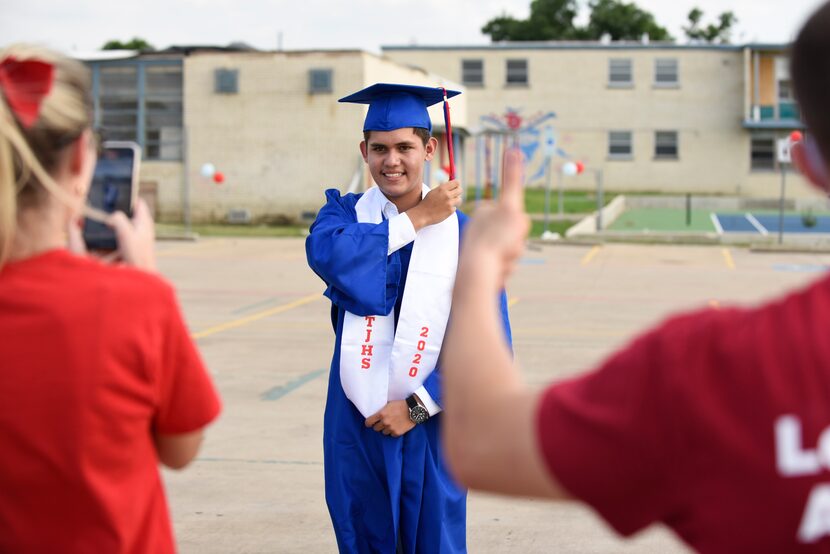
94,360
716,424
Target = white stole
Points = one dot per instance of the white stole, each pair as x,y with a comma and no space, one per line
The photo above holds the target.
379,364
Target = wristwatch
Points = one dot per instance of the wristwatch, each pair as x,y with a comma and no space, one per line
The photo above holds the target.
417,413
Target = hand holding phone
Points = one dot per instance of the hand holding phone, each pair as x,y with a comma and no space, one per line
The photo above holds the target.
136,238
114,189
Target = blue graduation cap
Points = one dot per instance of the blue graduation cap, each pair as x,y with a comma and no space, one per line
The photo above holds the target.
393,106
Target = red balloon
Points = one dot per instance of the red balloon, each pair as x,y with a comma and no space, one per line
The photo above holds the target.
796,136
218,177
580,167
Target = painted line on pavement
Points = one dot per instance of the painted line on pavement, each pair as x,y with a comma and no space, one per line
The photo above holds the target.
255,305
257,316
276,462
590,255
757,224
727,257
278,392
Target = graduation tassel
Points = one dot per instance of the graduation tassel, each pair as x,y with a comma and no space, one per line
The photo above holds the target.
448,126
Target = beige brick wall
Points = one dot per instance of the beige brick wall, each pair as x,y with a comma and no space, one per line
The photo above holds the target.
164,181
278,146
707,110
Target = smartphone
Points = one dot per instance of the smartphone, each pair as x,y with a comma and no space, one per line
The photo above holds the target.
114,187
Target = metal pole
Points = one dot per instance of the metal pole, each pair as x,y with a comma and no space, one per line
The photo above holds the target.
479,148
561,186
688,209
547,193
599,200
781,204
462,162
186,190
497,154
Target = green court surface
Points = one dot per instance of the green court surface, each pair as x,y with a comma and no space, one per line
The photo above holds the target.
663,219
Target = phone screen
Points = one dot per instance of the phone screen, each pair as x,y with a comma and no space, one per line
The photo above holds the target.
112,189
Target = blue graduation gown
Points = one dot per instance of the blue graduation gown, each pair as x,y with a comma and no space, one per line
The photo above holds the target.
383,493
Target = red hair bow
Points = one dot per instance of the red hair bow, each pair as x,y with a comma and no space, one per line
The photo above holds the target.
25,84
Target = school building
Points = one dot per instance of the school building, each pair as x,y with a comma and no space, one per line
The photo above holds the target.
652,117
268,121
659,117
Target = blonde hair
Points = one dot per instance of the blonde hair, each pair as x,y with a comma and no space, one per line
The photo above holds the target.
28,156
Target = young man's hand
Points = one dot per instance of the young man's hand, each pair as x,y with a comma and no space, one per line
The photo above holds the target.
439,204
392,419
494,239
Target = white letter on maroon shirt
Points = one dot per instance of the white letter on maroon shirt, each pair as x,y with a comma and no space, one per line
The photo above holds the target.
791,459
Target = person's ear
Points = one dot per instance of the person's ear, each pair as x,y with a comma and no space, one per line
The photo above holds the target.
79,152
364,151
431,147
808,159
81,163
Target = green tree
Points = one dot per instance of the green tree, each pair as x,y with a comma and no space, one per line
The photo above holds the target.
554,20
720,32
623,21
135,44
549,20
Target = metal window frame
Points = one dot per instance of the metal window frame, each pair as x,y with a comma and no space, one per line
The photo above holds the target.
137,102
620,62
629,141
511,73
675,144
673,63
225,80
467,71
317,87
772,152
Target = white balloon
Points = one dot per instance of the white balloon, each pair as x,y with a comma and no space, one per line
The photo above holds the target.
208,170
569,169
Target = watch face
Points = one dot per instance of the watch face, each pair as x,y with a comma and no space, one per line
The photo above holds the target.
418,414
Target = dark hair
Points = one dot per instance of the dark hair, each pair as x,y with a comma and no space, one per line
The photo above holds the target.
810,71
422,133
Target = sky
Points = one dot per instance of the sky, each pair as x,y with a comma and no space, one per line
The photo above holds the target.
85,25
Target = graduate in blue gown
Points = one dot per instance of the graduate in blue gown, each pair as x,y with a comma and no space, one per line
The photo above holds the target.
387,486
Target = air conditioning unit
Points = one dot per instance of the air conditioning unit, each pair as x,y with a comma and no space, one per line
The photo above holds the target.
239,215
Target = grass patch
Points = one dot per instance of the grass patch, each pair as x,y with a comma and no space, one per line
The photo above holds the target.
574,201
217,230
560,227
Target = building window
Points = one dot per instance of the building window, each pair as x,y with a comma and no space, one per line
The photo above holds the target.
118,102
666,72
163,112
619,144
472,73
665,145
320,81
517,72
785,91
141,101
226,81
762,154
619,73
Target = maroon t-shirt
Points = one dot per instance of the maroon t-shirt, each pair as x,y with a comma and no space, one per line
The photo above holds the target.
716,424
94,361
